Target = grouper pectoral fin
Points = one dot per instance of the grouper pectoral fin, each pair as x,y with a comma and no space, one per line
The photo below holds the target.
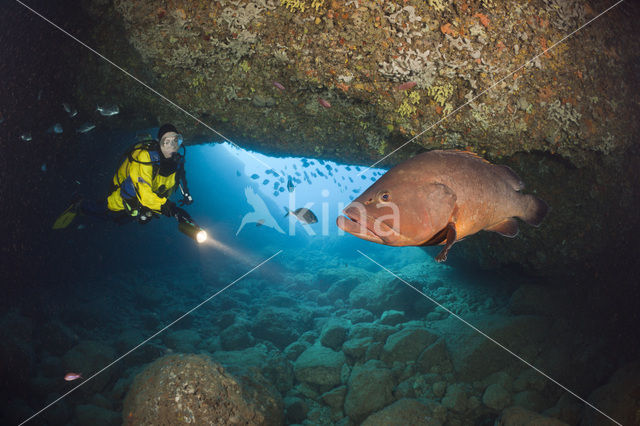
451,238
508,227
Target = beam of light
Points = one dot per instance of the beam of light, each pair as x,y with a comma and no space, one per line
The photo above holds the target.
213,243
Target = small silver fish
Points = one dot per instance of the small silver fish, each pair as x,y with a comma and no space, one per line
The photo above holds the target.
43,167
56,129
108,111
70,110
303,214
85,128
26,136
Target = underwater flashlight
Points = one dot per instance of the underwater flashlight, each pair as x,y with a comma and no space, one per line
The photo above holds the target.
192,230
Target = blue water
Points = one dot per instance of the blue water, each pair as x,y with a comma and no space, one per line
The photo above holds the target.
113,299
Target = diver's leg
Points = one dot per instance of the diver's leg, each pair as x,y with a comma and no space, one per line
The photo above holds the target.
94,208
121,218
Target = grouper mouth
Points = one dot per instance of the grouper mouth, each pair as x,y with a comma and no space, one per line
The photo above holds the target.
361,225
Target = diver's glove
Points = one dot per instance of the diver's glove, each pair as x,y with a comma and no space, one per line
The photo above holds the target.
187,199
170,209
182,215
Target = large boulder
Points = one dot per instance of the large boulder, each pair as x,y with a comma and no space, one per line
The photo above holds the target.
406,345
357,316
357,348
378,332
342,288
401,413
496,397
474,356
193,389
392,318
434,357
518,416
334,333
381,294
320,366
370,388
456,398
281,326
235,337
270,363
335,397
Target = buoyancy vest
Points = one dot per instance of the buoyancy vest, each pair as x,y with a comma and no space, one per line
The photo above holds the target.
145,180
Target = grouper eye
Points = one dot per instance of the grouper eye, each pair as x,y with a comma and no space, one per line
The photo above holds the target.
385,196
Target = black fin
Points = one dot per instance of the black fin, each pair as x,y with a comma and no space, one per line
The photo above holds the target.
508,228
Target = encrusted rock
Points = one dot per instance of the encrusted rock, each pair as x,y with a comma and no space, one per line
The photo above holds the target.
193,389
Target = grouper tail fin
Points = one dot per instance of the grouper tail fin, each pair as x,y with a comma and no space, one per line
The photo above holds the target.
535,210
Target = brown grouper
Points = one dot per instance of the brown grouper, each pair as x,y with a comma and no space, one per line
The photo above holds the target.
438,198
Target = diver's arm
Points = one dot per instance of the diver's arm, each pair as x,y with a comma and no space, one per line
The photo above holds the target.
142,177
181,180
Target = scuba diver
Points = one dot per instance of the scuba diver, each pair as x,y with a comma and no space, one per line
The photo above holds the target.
150,172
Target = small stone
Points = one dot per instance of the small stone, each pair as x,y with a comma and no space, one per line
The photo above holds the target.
439,389
335,397
455,399
392,317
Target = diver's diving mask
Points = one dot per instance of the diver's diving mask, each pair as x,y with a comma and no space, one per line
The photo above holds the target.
171,140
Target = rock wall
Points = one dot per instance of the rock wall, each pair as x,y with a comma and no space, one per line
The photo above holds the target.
357,79
353,81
